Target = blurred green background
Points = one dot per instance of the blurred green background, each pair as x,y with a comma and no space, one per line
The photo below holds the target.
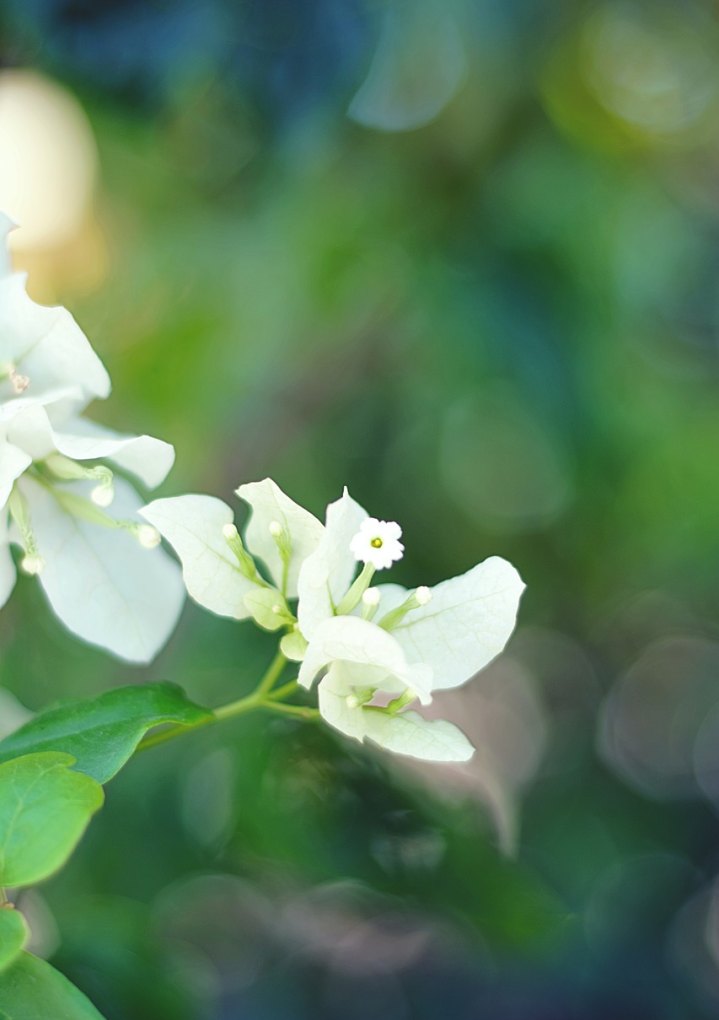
461,256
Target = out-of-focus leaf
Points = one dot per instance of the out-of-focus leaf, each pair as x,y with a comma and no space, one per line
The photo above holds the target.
33,990
44,809
102,733
13,935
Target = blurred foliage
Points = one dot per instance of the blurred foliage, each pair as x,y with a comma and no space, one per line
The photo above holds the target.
499,327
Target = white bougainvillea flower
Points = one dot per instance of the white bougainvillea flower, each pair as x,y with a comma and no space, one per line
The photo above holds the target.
366,668
374,650
370,657
326,574
279,532
378,543
100,570
218,572
402,732
43,351
440,637
76,524
459,625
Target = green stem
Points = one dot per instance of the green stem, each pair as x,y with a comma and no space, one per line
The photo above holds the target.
281,692
274,671
262,697
301,711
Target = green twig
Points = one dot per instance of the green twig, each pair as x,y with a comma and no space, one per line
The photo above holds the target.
262,697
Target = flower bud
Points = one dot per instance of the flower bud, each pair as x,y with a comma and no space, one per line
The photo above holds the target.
147,536
32,564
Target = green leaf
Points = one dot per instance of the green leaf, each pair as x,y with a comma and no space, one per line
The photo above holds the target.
102,733
44,810
31,989
14,933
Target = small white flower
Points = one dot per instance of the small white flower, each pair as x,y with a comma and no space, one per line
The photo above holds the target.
378,543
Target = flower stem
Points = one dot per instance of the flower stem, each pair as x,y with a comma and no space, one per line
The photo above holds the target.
274,671
281,692
262,697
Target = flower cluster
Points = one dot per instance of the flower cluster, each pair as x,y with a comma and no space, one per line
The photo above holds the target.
72,516
374,649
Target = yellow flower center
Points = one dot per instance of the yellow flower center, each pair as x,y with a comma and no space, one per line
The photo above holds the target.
376,543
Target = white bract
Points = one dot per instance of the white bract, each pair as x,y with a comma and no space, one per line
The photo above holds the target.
403,643
218,571
375,650
73,519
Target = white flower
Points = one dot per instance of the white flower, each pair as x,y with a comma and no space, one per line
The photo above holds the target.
378,543
55,495
365,661
218,572
43,352
406,643
326,574
373,650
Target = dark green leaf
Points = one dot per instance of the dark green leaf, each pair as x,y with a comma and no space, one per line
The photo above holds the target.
31,989
102,733
44,810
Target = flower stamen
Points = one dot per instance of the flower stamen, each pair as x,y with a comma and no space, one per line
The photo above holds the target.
418,598
32,562
18,381
245,562
70,471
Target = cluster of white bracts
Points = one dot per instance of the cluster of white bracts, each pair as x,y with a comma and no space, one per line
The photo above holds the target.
375,650
73,520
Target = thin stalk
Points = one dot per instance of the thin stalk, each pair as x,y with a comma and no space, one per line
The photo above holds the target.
274,671
301,711
281,692
262,697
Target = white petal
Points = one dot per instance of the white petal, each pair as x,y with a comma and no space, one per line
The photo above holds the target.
46,344
101,583
406,733
269,503
466,623
6,225
193,526
327,573
410,734
58,402
147,458
30,430
381,661
332,701
13,462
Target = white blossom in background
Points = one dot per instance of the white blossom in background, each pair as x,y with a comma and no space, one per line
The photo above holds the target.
74,521
374,649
